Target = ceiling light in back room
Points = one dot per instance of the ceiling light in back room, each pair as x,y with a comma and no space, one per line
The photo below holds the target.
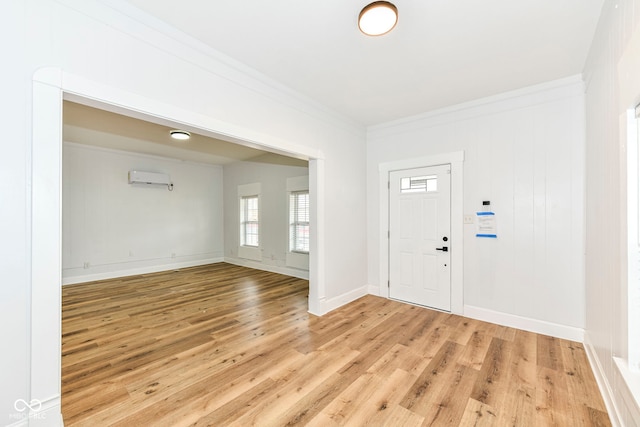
378,18
181,135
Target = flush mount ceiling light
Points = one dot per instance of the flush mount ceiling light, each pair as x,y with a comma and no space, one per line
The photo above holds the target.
378,18
181,135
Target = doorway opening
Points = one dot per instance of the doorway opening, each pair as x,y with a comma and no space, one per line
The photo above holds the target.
51,87
115,225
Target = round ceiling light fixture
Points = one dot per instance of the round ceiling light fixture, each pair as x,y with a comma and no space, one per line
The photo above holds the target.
378,18
181,135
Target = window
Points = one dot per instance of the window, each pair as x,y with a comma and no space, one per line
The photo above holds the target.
299,221
419,184
249,221
249,206
297,255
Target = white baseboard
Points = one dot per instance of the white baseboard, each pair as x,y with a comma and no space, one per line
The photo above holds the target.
374,290
139,270
327,305
627,392
525,323
603,383
287,271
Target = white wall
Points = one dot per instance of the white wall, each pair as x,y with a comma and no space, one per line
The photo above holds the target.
274,214
612,76
121,229
524,152
15,214
116,50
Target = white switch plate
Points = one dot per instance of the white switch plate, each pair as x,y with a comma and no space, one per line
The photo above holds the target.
468,219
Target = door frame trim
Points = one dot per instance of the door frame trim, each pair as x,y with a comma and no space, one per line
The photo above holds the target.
50,87
456,160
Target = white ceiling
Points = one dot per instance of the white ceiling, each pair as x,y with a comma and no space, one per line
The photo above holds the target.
92,126
442,52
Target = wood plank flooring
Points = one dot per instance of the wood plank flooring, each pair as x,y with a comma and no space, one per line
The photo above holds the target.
222,345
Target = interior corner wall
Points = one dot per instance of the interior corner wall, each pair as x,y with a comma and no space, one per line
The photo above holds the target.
524,152
112,228
612,76
112,46
274,216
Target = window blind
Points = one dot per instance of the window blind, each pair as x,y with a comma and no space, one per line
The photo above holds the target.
299,221
249,221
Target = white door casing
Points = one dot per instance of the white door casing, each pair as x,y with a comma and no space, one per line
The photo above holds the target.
633,238
419,238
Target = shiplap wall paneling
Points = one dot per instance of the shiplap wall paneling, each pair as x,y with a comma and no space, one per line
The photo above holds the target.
524,153
612,77
111,227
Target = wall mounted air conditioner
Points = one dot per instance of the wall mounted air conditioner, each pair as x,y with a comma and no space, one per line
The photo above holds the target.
150,178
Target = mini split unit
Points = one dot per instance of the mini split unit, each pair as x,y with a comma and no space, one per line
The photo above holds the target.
150,178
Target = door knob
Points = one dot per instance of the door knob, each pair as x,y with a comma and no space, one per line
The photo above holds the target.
443,249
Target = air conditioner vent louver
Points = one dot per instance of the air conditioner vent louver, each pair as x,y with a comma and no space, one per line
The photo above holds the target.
150,178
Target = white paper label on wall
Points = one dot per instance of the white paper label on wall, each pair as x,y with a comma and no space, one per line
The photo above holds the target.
486,225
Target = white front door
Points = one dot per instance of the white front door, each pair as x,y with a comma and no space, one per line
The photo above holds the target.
419,236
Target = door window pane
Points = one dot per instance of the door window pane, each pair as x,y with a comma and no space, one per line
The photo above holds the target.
419,184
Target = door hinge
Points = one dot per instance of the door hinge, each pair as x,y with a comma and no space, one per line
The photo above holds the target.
388,234
388,283
388,185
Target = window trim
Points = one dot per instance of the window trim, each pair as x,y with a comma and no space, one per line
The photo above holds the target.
253,253
293,223
244,213
297,260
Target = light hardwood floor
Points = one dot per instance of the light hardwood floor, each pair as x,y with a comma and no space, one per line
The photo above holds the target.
225,345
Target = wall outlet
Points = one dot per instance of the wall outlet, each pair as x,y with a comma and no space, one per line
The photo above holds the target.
86,265
173,254
130,253
468,219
